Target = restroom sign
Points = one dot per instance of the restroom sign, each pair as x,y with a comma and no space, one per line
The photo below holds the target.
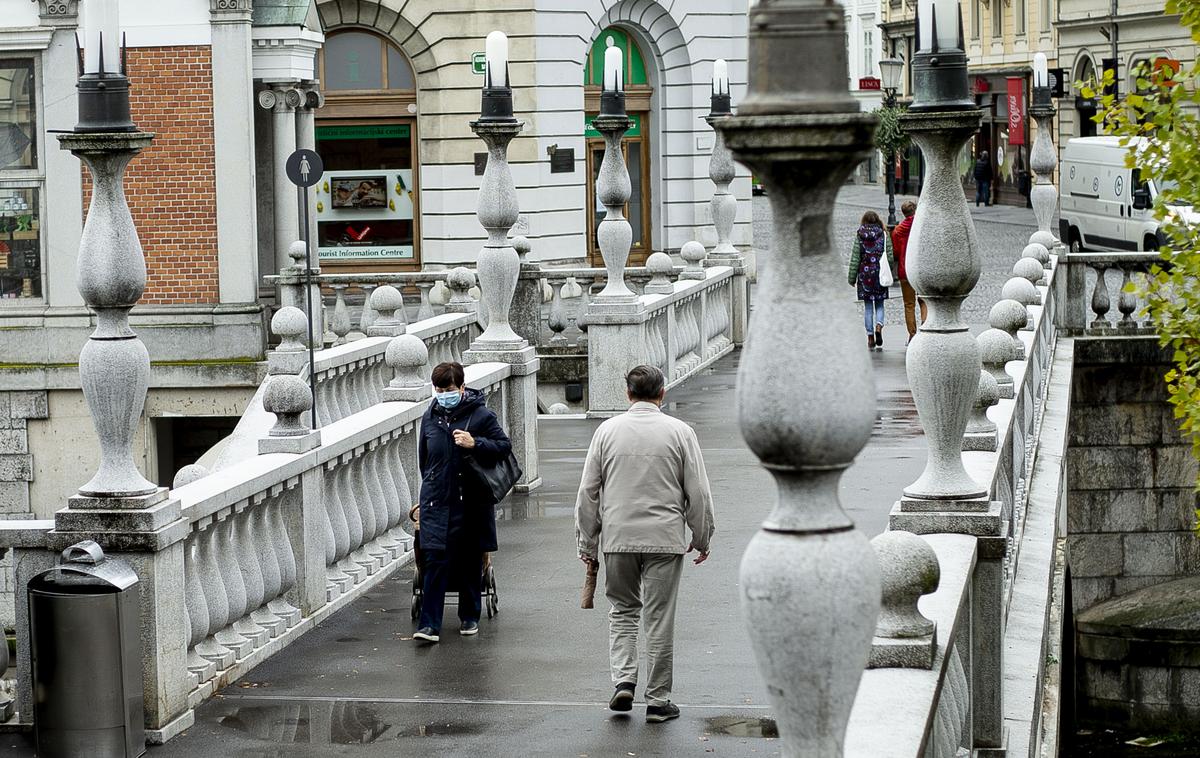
478,63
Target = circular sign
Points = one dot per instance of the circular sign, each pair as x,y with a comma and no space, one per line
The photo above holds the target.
1095,184
1120,185
304,168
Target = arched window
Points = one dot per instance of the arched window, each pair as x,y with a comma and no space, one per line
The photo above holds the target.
358,60
635,65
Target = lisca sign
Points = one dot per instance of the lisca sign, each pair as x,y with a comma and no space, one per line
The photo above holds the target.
1016,110
869,82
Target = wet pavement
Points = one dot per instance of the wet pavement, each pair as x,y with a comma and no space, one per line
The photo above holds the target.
535,680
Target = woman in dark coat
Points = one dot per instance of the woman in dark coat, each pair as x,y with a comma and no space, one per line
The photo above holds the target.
458,516
872,249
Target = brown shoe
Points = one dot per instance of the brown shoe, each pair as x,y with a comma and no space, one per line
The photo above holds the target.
870,341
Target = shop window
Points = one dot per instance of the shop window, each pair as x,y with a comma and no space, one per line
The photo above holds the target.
366,200
20,182
367,203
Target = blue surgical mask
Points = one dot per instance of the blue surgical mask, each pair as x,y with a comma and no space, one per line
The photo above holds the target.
448,399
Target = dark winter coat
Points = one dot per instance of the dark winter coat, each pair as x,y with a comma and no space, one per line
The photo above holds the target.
457,510
900,245
983,169
871,244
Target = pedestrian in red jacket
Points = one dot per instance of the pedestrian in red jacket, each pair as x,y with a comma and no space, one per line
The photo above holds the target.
900,246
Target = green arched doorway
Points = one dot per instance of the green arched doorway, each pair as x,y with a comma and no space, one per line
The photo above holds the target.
636,145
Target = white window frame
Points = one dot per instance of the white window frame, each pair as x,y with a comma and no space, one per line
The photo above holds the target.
30,178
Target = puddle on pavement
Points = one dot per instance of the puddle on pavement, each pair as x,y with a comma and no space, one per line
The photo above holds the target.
330,723
741,726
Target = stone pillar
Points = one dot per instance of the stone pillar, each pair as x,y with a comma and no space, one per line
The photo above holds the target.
810,586
306,137
233,132
118,508
499,268
616,318
282,100
499,265
943,266
944,366
1043,159
527,302
724,213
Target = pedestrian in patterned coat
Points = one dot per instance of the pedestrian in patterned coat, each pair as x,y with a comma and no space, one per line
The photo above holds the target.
872,246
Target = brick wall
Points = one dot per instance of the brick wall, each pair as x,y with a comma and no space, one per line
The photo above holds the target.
171,186
1131,477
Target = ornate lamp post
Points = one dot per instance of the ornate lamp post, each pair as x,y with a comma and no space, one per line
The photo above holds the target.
499,265
614,235
943,264
890,71
720,168
810,581
118,507
1044,158
114,366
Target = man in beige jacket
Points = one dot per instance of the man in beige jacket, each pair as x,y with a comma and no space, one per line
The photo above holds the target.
643,486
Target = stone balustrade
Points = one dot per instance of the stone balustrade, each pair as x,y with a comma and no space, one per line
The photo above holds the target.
1094,282
437,290
680,326
276,543
990,556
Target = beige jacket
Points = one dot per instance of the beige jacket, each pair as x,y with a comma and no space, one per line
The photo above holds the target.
643,481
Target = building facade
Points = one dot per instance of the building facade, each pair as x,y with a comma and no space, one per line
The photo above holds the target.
384,90
864,48
1001,37
1096,36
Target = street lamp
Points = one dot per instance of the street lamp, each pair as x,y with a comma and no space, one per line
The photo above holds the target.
890,71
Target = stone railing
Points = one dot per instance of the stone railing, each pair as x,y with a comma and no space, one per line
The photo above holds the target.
350,377
1093,283
565,284
439,292
689,328
991,656
265,549
682,326
279,542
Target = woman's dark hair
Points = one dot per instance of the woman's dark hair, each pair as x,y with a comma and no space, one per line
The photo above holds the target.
870,218
645,383
448,375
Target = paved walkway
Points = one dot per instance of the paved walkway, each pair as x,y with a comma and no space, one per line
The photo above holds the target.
535,681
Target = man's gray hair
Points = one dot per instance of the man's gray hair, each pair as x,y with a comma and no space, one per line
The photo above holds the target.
645,382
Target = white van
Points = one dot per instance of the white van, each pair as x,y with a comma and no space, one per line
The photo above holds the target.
1104,205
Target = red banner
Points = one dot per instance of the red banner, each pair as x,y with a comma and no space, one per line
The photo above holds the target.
1016,110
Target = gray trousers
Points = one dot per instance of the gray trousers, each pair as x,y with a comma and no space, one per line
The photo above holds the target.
642,587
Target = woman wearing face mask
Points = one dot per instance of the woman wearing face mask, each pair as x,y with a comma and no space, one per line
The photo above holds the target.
457,514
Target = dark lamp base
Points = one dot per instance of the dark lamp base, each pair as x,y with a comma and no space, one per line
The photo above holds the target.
497,104
104,104
612,103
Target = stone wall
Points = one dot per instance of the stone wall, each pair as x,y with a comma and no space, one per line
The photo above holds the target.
1131,477
16,472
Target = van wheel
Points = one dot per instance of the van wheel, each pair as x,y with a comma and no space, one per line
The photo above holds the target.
1076,243
1150,244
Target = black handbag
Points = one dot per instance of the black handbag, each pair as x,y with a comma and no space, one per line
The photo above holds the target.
499,478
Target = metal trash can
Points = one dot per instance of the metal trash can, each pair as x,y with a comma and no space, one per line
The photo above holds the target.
87,657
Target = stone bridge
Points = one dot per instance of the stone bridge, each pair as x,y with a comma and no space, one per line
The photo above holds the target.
1054,487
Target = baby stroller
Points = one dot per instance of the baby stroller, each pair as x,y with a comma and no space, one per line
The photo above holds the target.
491,601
